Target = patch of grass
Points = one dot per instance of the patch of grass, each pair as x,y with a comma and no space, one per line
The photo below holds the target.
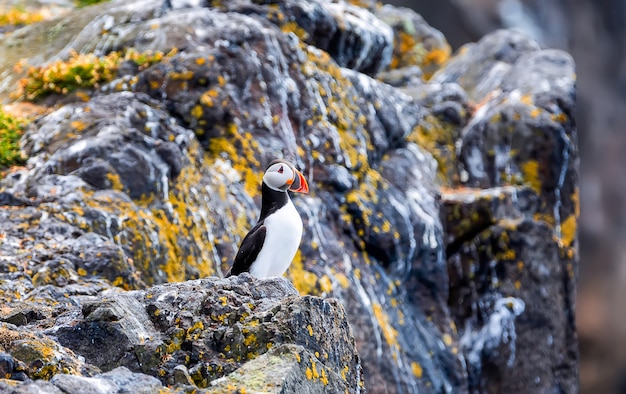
80,71
11,130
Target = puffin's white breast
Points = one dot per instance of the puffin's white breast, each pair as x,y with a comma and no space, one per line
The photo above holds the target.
282,239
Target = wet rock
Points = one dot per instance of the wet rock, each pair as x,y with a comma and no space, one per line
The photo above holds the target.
496,234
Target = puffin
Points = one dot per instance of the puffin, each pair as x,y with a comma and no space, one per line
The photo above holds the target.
268,249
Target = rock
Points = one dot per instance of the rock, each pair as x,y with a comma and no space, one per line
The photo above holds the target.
416,43
207,327
479,67
351,35
280,370
504,267
138,141
7,199
149,185
119,380
36,387
37,356
211,328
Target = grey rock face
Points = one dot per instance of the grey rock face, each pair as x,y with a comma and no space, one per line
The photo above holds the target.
212,327
155,179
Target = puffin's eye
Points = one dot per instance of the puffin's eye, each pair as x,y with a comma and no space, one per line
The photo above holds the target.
280,170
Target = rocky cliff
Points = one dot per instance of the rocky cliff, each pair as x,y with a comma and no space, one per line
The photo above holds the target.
441,223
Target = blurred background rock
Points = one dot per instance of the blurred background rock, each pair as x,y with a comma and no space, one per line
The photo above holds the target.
594,32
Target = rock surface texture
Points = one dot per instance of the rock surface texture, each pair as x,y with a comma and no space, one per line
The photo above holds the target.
440,233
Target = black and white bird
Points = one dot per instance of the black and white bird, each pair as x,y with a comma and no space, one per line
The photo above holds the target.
268,249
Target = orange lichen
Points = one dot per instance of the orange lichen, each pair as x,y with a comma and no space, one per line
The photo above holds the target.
435,57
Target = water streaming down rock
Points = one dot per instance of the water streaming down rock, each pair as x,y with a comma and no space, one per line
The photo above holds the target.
162,167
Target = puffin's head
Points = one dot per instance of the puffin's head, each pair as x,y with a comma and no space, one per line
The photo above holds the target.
281,176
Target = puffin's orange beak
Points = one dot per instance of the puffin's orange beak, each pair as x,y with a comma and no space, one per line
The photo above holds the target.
299,184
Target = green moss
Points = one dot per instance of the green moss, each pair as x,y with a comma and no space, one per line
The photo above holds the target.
79,71
85,3
11,130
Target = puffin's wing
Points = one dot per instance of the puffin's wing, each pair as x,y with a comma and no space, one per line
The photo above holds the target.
249,250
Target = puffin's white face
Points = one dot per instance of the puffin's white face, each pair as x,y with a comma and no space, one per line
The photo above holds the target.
282,176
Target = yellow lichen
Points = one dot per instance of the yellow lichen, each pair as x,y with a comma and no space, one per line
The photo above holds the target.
438,138
343,280
527,99
568,230
239,147
530,172
323,377
508,254
22,16
535,112
416,368
389,333
316,374
576,200
293,27
249,340
304,281
325,284
116,182
197,111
